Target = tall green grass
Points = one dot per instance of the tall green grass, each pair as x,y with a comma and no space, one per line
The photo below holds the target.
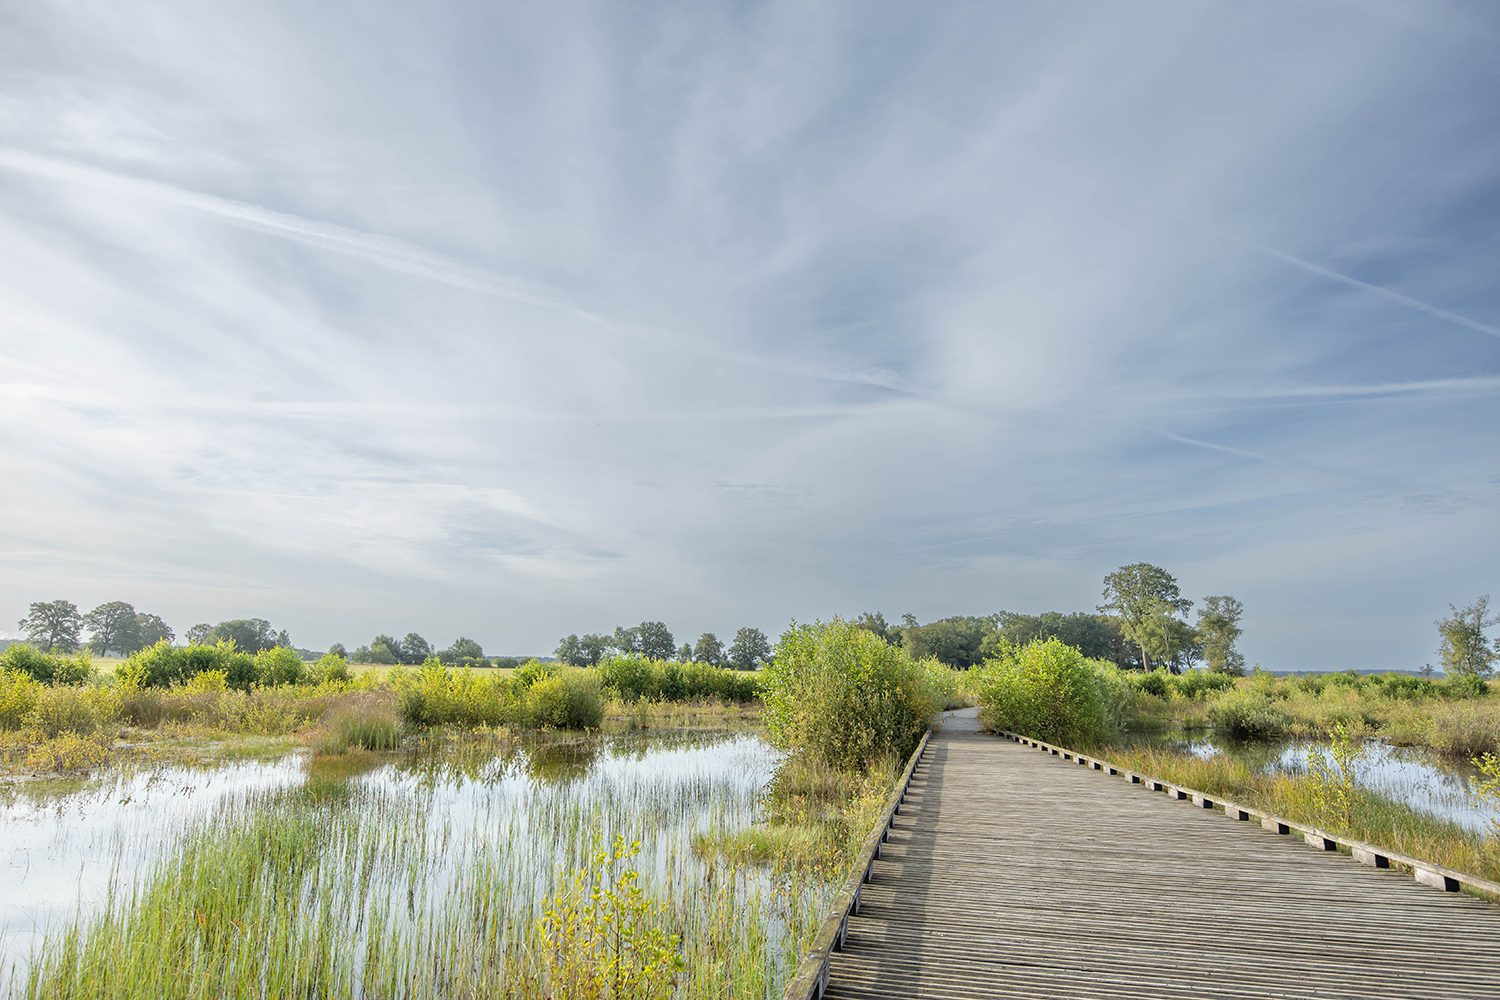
371,888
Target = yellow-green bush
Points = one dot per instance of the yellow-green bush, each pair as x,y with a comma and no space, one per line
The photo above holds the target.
1050,691
1247,715
67,751
434,695
631,677
72,709
47,667
569,699
1465,729
841,694
330,668
19,693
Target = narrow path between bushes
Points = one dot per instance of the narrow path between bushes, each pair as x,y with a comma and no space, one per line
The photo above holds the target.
1012,873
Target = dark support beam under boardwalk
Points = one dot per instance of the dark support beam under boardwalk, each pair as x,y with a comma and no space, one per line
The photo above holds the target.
1012,872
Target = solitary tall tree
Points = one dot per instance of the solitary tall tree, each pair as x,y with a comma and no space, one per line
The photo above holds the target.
249,635
1218,628
151,629
463,650
593,648
656,640
626,640
53,625
384,649
1464,649
709,649
415,649
1148,603
199,633
112,625
750,647
569,651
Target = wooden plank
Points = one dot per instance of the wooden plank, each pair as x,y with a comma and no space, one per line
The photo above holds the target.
1013,871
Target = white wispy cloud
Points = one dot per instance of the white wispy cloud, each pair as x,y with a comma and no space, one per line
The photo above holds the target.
518,322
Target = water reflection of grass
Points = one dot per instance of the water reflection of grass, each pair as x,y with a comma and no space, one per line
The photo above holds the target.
418,875
1374,818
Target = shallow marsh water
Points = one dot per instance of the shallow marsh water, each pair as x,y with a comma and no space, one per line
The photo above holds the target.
416,846
1412,776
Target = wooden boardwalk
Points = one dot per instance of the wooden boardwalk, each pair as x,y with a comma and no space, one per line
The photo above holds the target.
1013,873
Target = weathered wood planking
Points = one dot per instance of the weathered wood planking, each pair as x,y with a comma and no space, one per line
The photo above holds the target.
1015,873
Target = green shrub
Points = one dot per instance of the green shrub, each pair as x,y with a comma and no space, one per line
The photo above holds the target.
944,685
433,695
1197,683
1465,686
632,677
1465,729
1157,683
569,699
72,709
1248,715
840,694
32,662
532,671
19,692
1402,687
164,665
1050,691
629,676
278,666
1314,683
330,668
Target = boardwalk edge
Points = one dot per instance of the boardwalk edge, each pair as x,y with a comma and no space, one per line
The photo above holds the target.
811,978
1424,872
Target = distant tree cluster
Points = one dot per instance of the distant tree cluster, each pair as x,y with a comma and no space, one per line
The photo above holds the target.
749,649
414,649
116,627
1141,623
113,627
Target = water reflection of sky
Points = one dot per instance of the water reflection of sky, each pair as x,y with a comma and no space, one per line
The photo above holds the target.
61,851
1415,777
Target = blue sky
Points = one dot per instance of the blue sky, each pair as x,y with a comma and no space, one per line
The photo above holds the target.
516,321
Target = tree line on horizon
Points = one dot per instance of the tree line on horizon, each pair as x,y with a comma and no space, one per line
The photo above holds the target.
749,649
1140,623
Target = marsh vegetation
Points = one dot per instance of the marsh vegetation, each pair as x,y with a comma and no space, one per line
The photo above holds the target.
622,830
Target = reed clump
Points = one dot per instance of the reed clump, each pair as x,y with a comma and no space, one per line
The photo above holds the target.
367,722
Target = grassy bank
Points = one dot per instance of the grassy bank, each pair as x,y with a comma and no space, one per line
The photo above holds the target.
1455,718
1327,803
63,714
